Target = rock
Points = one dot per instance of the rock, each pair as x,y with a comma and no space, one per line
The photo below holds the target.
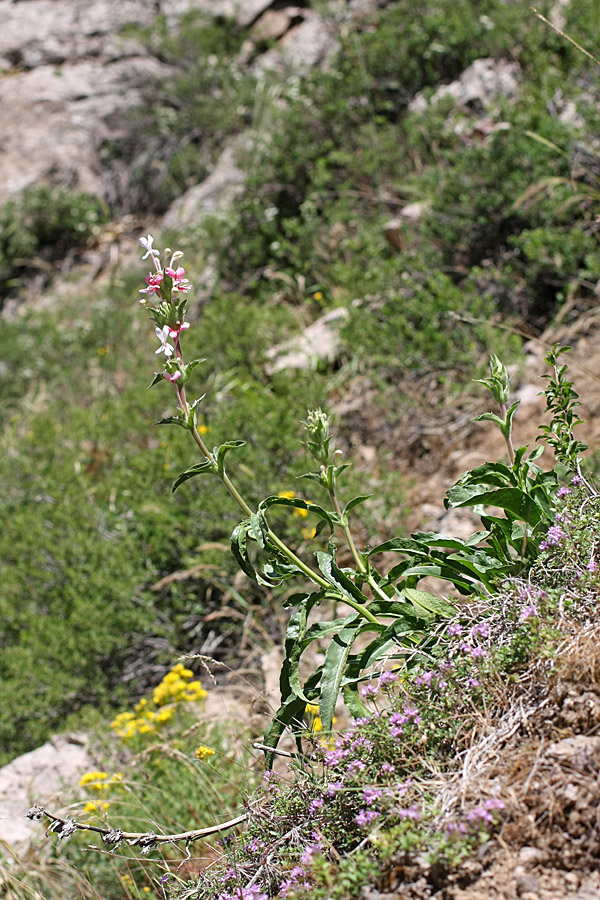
532,856
245,12
483,81
69,80
320,341
216,194
38,777
309,44
273,24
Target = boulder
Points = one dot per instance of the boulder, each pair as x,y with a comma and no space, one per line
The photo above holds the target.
215,195
483,81
41,776
319,342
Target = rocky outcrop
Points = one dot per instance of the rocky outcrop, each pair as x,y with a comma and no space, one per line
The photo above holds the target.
69,76
38,777
482,83
71,71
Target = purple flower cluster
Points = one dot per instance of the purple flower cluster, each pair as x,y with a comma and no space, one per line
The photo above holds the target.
366,816
480,816
253,892
297,880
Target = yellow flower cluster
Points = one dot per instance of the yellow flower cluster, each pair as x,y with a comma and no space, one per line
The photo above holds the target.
91,807
203,752
99,781
150,715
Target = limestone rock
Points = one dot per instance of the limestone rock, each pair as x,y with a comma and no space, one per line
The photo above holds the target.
216,194
320,341
38,777
306,45
483,81
245,12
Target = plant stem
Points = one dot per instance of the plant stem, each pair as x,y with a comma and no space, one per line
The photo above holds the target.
346,529
281,545
507,437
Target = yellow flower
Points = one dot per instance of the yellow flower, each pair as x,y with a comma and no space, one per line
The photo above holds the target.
202,752
312,709
93,780
318,295
308,533
164,714
91,807
203,429
195,691
301,513
182,671
101,351
146,890
317,724
286,495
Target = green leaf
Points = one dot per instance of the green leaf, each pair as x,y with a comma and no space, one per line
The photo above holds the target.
200,469
334,668
259,530
435,539
397,545
428,604
239,548
338,579
173,420
353,503
219,453
156,380
291,711
512,500
298,503
354,702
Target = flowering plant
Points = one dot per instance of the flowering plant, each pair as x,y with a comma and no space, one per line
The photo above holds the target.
389,606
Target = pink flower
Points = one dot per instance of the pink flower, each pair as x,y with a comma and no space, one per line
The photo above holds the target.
179,282
172,378
153,280
181,326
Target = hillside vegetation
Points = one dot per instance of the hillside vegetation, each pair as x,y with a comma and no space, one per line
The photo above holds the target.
503,243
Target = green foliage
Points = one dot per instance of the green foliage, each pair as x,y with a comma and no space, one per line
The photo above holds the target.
40,227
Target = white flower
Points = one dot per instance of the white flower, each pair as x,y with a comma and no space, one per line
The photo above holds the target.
146,243
163,334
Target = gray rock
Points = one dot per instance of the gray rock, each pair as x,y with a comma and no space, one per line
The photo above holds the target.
309,44
41,776
245,12
320,341
483,81
215,195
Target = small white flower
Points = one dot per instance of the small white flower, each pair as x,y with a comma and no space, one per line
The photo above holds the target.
146,243
163,334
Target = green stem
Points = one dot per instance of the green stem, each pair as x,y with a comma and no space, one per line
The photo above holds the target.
507,436
346,529
310,573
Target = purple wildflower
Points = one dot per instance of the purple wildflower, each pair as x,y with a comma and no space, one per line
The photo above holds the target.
366,816
563,491
371,795
528,612
454,630
387,678
369,691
